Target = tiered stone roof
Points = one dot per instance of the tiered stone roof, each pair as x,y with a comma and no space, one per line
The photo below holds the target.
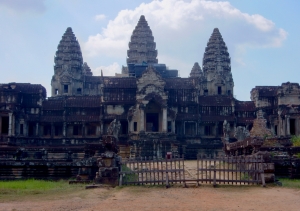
196,71
216,56
68,55
86,70
142,45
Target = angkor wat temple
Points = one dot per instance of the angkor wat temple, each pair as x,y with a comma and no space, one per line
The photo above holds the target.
158,111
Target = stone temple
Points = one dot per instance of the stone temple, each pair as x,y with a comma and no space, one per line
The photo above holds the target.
159,112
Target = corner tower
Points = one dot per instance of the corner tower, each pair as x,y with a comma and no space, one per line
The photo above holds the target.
142,45
68,65
216,67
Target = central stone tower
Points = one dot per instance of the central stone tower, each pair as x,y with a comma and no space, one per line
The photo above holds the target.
216,67
142,45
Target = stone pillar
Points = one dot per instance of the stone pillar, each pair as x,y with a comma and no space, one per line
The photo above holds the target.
98,130
83,129
280,126
287,120
65,129
37,129
130,126
10,124
13,129
216,129
164,119
173,126
101,127
142,118
25,129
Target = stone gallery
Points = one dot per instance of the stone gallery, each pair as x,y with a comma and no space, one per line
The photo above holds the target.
157,111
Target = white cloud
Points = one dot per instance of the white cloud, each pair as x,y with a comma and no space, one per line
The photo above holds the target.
180,25
109,70
100,17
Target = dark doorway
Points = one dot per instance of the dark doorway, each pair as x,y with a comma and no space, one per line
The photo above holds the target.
124,127
219,90
152,122
292,127
31,129
4,127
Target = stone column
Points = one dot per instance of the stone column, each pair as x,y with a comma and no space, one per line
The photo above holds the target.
25,129
101,127
13,128
65,129
83,129
216,129
164,119
142,118
37,129
10,124
287,120
130,125
173,126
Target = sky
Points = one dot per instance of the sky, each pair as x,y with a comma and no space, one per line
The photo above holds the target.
263,37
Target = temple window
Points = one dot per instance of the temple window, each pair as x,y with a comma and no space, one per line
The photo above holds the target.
219,90
77,130
4,125
79,91
56,91
135,126
229,92
21,129
47,130
205,92
169,126
58,130
91,130
208,130
66,88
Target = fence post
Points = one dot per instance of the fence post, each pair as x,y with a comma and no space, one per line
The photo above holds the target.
167,179
198,169
262,174
121,176
215,183
184,182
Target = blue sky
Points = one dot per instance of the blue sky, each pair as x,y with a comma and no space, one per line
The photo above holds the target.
263,37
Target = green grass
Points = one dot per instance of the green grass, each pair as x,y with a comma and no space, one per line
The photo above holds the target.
290,183
296,141
9,190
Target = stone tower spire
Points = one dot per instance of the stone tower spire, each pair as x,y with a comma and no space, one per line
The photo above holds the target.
68,56
142,45
216,56
196,71
86,70
68,65
216,67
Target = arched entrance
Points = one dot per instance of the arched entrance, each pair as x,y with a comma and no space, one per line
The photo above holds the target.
153,117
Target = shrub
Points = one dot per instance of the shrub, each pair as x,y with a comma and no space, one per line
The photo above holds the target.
296,141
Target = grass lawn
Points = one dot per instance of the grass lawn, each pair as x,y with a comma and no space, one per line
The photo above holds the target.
289,183
13,190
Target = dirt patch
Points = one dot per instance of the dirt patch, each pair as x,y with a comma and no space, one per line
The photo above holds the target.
159,198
